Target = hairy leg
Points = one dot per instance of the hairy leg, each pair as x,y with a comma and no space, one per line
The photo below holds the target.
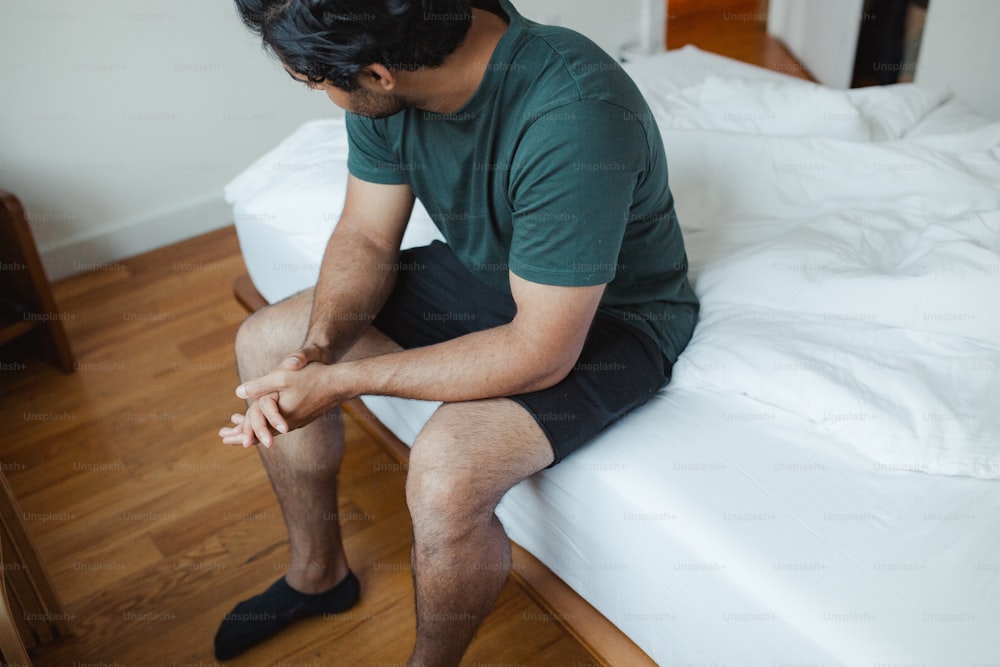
462,463
303,465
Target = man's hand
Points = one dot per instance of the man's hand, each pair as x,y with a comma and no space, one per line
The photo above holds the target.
537,349
291,396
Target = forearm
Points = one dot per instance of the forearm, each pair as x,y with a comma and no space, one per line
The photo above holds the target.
485,364
355,279
536,350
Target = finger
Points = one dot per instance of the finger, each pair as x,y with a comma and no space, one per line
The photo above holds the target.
269,406
237,419
258,427
233,439
254,389
246,437
232,435
307,355
294,362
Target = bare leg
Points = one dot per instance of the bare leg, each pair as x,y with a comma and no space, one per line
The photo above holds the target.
303,465
463,462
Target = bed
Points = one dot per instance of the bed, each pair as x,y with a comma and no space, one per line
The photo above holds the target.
818,484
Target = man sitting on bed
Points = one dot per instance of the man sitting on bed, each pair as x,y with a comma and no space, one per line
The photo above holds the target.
559,303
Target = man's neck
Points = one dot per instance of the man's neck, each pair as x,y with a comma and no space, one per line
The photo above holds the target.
448,88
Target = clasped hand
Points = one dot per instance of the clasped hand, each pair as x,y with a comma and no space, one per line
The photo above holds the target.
298,391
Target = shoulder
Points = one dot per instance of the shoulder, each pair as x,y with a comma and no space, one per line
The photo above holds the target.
562,60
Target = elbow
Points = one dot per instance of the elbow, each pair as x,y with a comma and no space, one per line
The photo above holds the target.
550,375
563,370
547,362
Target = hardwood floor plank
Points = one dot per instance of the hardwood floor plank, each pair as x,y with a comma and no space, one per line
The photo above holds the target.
98,566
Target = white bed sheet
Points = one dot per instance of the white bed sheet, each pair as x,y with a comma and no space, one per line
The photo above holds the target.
808,489
713,532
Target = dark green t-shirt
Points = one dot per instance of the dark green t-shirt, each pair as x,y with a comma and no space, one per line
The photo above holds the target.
553,170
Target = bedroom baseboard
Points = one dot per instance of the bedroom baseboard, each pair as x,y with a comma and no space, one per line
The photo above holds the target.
600,637
106,247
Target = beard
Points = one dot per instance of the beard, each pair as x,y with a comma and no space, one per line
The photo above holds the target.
367,103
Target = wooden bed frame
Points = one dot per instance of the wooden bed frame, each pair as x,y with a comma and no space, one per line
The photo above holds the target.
600,637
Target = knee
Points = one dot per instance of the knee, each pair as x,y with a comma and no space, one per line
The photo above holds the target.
248,344
256,351
446,497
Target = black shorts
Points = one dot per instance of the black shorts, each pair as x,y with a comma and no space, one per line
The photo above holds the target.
620,368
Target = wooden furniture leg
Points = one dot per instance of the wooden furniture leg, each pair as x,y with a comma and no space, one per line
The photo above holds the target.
12,650
26,302
30,611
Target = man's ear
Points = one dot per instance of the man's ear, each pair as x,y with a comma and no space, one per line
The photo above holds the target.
380,76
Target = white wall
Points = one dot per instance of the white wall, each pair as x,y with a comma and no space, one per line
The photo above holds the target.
961,51
121,121
611,24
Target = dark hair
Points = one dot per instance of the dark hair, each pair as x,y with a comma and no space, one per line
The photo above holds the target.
333,40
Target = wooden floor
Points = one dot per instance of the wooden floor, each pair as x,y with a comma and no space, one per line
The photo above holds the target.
152,530
732,28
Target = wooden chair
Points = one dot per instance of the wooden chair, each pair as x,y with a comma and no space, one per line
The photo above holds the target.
30,612
26,302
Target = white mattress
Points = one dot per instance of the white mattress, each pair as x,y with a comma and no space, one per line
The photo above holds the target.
818,483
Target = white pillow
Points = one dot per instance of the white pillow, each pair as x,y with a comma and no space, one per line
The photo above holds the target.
773,108
892,111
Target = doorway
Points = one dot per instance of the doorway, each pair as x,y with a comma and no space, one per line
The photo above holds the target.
733,28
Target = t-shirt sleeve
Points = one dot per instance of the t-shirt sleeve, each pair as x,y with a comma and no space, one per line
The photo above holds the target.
369,156
572,183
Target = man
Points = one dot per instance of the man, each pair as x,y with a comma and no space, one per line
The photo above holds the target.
558,304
